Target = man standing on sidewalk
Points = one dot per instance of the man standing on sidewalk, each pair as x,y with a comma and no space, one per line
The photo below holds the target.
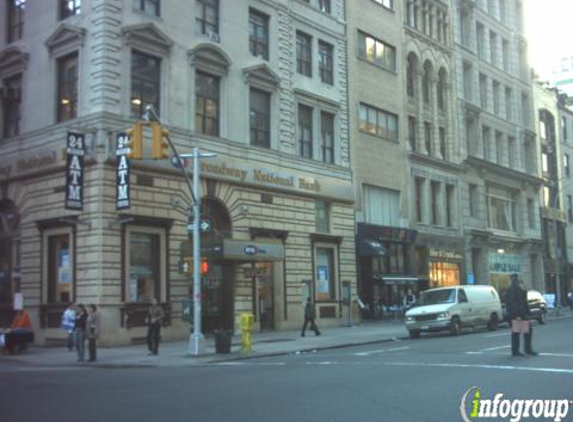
309,316
154,321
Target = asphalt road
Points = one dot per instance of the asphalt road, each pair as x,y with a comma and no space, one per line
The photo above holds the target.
401,381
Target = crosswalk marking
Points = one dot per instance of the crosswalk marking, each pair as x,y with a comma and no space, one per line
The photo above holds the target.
373,352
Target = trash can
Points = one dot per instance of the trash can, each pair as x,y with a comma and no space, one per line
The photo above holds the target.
223,341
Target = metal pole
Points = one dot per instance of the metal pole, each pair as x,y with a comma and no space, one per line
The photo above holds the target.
557,251
196,343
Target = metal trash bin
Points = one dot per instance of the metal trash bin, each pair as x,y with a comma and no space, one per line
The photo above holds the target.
223,341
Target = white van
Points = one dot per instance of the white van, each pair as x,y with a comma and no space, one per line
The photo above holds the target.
453,308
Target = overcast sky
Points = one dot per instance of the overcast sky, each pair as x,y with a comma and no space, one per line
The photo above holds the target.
549,26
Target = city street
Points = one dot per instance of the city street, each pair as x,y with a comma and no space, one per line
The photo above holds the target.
408,380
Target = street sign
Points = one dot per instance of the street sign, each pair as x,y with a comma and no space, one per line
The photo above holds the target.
205,224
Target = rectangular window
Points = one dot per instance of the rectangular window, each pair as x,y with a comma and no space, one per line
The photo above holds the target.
207,104
412,132
378,122
67,87
570,208
428,137
443,144
419,187
325,62
322,217
480,36
260,118
207,17
386,3
531,213
327,137
495,87
305,131
465,21
149,7
376,52
473,200
566,166
508,104
144,261
60,266
467,75
325,284
16,16
258,34
145,83
11,96
69,8
435,202
493,48
483,90
450,200
324,5
381,206
303,53
485,136
501,209
525,116
500,147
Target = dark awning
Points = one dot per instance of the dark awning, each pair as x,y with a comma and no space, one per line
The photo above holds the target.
369,247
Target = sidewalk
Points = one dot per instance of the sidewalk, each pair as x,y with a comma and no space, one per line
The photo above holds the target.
271,343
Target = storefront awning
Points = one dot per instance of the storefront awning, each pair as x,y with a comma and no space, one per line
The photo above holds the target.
369,247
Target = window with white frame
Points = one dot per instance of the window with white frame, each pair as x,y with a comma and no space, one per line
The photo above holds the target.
376,52
207,17
67,89
258,34
303,53
260,118
381,206
378,122
207,104
326,62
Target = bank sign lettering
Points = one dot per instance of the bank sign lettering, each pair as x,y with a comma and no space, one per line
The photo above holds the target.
122,172
75,171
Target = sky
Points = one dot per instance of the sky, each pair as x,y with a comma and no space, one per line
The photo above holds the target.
548,26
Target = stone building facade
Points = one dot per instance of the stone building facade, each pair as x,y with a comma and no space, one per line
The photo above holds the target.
261,83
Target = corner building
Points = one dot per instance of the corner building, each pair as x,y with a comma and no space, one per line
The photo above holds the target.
262,84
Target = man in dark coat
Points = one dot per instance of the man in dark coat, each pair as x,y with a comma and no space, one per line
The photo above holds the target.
309,317
517,310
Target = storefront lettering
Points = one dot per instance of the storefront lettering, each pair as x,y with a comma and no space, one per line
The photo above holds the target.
223,170
31,163
122,196
75,171
272,179
309,185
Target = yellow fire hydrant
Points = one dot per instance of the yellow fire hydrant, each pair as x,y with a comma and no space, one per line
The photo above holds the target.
246,323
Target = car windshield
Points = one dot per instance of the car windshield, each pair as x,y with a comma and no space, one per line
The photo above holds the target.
438,296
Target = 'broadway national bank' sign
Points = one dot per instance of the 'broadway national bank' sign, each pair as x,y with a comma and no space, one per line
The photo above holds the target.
274,179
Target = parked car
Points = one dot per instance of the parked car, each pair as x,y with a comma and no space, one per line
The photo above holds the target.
536,304
454,308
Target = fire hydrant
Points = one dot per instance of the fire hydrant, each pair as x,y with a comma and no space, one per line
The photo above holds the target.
246,323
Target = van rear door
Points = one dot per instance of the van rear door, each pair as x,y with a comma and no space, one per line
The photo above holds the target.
465,309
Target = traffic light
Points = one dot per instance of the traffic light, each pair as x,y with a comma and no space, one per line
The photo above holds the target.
204,266
160,144
135,141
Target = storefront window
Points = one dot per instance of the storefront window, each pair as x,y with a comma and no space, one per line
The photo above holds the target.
144,261
444,274
59,265
325,274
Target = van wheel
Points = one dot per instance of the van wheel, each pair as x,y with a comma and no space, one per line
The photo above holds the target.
493,323
542,317
455,328
414,333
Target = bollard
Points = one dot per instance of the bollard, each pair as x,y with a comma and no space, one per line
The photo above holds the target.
246,323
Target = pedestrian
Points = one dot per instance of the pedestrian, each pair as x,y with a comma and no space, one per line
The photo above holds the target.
154,321
80,331
517,310
68,323
93,326
309,315
409,299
